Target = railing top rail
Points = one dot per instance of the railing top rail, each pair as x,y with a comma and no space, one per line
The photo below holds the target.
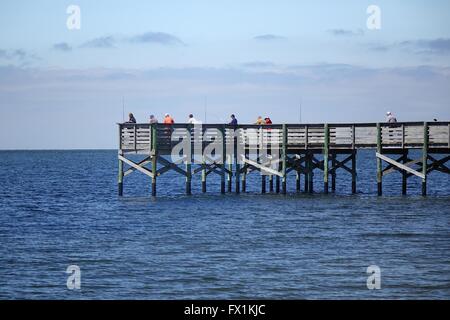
341,124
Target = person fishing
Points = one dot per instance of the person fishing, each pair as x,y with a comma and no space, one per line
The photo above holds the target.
168,119
153,119
233,121
260,121
192,120
390,117
131,118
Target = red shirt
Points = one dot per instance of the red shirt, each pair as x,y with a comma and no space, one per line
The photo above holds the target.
168,120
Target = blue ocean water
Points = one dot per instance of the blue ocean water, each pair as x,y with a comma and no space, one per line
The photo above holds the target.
60,208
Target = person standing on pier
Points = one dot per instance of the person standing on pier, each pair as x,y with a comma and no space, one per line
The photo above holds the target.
233,121
131,118
192,120
168,119
260,121
268,120
390,117
153,119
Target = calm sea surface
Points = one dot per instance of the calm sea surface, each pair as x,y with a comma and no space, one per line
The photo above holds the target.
60,208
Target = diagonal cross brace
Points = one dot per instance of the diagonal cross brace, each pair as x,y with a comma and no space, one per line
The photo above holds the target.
400,165
141,163
341,164
170,166
136,166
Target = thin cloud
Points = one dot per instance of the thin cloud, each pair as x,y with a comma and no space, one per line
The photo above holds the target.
62,46
379,48
433,46
268,37
439,46
258,64
157,38
106,42
20,56
346,32
109,42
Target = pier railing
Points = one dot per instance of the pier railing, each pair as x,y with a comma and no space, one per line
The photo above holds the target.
138,137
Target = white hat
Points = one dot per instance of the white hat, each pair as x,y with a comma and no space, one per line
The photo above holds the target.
166,115
388,113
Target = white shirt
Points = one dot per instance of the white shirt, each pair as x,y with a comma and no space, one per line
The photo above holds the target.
194,121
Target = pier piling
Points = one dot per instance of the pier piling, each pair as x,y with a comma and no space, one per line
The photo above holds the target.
223,159
203,175
307,175
120,178
230,174
311,173
154,156
405,173
284,159
353,171
333,172
297,181
120,174
379,163
188,178
237,164
425,158
325,157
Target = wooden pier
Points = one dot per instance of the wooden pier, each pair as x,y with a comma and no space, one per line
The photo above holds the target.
234,152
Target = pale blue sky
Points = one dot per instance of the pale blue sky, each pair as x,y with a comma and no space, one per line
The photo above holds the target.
246,57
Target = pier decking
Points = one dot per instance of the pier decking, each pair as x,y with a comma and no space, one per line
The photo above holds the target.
233,152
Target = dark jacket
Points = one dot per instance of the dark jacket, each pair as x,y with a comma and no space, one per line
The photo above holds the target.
131,120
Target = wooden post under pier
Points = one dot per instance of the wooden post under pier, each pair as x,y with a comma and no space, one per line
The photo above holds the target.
154,157
237,163
224,157
405,173
379,163
333,173
203,175
120,178
284,159
311,173
120,174
325,157
230,173
307,176
425,158
244,178
354,171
